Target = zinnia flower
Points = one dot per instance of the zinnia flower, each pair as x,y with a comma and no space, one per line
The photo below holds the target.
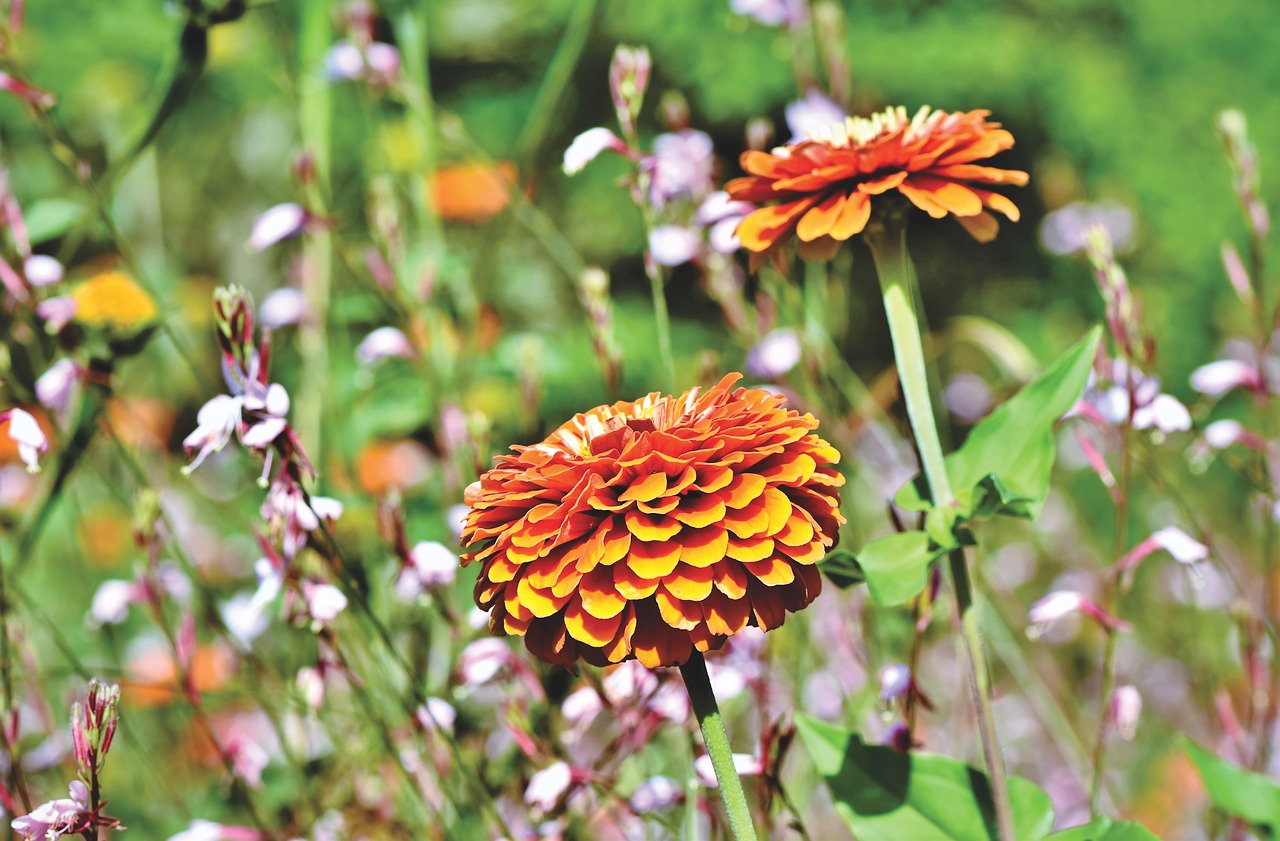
647,529
824,185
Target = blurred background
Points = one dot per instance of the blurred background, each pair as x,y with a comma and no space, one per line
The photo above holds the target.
1113,106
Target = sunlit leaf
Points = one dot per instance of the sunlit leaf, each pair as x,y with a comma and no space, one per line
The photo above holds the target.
1234,790
884,794
896,568
1003,466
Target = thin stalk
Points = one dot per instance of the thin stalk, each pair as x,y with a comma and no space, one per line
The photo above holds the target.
888,243
663,321
1119,540
698,684
315,117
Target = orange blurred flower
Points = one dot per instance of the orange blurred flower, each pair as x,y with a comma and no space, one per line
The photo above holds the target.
824,185
647,529
471,191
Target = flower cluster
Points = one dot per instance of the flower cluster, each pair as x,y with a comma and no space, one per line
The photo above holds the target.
256,412
647,529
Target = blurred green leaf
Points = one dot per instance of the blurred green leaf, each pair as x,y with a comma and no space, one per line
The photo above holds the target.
1105,829
1003,466
1234,790
51,218
884,794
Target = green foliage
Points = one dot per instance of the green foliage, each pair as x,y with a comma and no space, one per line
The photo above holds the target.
884,794
896,567
1002,468
1243,794
1105,829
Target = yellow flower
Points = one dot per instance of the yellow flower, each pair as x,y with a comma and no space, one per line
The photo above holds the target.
113,301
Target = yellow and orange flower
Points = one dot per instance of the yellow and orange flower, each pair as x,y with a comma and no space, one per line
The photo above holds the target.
824,185
647,529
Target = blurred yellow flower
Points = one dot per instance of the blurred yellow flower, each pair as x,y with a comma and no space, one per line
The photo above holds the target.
112,300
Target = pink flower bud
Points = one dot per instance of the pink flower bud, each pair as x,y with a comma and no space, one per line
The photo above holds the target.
815,113
673,245
282,307
1124,710
547,787
1063,603
587,146
1219,377
56,386
42,270
26,433
383,343
656,794
895,681
277,224
56,312
774,355
1238,275
437,713
628,80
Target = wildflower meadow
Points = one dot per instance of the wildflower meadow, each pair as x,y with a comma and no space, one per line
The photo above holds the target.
605,419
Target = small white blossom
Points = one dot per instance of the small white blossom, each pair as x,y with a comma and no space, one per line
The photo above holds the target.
277,224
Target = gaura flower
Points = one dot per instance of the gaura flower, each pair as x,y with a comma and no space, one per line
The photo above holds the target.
114,301
646,529
824,185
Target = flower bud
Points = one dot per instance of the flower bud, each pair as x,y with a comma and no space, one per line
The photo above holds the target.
628,79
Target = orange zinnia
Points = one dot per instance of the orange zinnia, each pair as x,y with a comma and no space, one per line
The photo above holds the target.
824,184
648,529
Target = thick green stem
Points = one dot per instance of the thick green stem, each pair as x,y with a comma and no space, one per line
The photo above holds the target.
888,243
716,739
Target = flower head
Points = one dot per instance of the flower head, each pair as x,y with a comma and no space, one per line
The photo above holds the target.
824,185
113,301
646,529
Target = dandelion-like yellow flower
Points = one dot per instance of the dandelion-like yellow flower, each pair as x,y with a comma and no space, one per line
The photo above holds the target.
112,300
824,186
647,529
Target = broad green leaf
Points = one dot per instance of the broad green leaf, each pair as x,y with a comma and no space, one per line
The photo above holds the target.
1003,466
886,795
1234,790
1105,829
896,567
51,218
841,566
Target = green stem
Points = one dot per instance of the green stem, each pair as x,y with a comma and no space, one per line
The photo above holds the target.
663,320
888,243
694,672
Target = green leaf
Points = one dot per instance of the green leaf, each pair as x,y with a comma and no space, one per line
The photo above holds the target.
1003,466
1105,829
896,568
884,794
51,218
1234,790
841,566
